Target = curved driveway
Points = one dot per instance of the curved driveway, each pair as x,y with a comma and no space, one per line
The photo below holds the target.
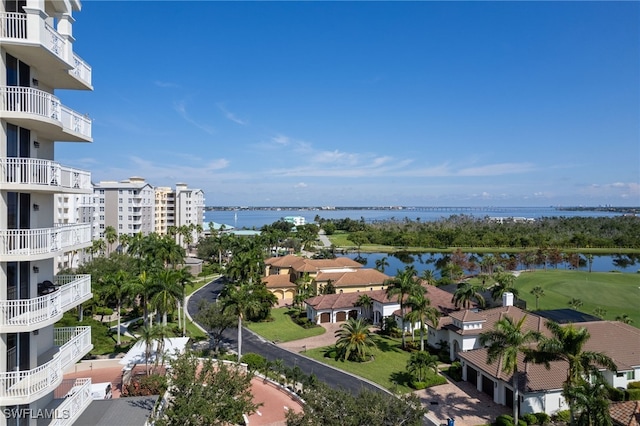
251,342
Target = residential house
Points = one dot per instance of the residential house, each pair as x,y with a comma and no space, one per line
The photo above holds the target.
541,388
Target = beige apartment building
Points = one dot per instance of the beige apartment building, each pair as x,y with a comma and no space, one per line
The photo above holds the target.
182,206
127,205
36,59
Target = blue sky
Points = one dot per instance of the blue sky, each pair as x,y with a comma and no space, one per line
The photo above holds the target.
365,103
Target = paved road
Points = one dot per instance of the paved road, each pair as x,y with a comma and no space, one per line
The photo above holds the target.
254,343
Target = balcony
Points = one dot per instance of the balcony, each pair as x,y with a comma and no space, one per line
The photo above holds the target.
43,243
68,406
35,175
23,315
42,112
25,36
24,387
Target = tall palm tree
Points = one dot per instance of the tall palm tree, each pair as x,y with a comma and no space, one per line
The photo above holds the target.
428,276
240,300
421,362
504,284
148,334
592,403
404,284
111,236
421,311
354,340
537,292
465,294
114,286
168,293
566,344
506,341
184,277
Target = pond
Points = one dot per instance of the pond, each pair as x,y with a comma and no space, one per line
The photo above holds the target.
627,263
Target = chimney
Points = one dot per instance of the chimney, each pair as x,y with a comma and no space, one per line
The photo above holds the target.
507,299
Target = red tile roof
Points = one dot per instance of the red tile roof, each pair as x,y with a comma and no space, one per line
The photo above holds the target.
625,413
357,278
278,281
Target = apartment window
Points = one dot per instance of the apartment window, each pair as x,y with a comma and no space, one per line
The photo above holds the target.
102,192
120,226
120,217
130,209
120,200
130,226
130,192
102,226
101,217
101,208
631,375
101,200
119,209
130,217
130,200
119,191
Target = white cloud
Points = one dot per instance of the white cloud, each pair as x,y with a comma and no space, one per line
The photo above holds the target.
181,109
300,185
231,116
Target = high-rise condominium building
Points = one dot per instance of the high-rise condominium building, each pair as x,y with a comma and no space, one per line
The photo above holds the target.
36,59
128,206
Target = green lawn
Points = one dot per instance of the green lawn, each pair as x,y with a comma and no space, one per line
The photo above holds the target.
388,368
617,293
282,328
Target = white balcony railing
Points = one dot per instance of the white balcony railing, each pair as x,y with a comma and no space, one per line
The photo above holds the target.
46,173
14,26
32,242
42,104
72,290
28,385
76,400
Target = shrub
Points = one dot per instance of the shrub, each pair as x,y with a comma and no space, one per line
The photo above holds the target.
504,420
633,385
254,361
616,394
543,418
154,384
435,380
455,371
633,394
522,422
418,385
531,419
562,416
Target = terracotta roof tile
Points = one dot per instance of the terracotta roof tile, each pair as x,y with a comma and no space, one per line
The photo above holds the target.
625,413
278,281
357,278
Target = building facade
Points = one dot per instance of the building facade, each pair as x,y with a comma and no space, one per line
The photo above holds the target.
179,208
127,205
36,59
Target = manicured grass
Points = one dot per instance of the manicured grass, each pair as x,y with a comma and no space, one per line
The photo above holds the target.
282,328
614,292
388,368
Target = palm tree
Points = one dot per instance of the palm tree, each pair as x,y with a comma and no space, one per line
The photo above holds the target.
240,300
428,276
566,344
381,264
184,277
98,246
506,341
366,302
421,311
168,293
575,303
148,335
404,284
504,284
465,293
592,402
421,362
111,236
600,312
115,286
354,340
624,318
537,292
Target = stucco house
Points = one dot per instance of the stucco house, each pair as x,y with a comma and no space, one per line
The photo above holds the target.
540,388
345,274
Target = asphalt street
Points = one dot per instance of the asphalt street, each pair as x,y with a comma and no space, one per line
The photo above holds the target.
254,343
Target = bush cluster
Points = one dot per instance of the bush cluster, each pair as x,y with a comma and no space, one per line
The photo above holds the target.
455,371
